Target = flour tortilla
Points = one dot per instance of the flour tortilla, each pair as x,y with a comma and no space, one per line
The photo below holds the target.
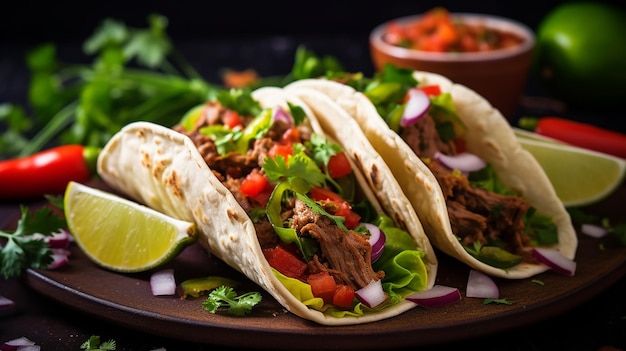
163,169
489,136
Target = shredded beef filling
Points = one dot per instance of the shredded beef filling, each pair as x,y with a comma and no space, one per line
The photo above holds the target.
345,255
475,214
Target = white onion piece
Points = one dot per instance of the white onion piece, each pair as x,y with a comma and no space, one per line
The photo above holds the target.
163,282
371,295
480,285
438,295
416,107
555,260
464,162
14,344
377,239
281,115
594,231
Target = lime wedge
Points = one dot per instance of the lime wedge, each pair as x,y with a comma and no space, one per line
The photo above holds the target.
580,176
122,235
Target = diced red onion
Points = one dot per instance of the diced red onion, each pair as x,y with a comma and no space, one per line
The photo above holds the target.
281,115
377,239
163,282
480,285
371,295
57,240
594,231
15,344
58,260
555,260
5,302
416,107
438,295
464,162
28,348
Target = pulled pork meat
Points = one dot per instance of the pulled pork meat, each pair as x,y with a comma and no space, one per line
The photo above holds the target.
476,214
345,255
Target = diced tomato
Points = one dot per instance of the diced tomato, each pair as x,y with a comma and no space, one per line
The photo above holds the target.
431,90
290,136
231,119
344,296
323,285
340,206
285,262
256,186
281,149
339,165
352,218
321,194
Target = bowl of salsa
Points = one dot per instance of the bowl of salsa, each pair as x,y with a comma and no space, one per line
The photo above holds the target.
490,54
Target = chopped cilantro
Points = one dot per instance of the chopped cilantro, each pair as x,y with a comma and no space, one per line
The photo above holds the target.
237,305
93,344
315,207
21,250
498,301
298,168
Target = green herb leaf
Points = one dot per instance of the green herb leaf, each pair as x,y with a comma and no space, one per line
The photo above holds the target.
316,208
21,250
93,344
226,296
297,168
498,301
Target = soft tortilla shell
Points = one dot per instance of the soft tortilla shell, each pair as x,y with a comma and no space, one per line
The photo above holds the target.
489,136
163,169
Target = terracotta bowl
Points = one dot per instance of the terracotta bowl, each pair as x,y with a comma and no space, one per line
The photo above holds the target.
498,75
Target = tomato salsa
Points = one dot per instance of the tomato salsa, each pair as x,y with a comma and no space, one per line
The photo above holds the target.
439,31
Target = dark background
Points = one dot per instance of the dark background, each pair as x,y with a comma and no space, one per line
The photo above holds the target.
191,23
71,20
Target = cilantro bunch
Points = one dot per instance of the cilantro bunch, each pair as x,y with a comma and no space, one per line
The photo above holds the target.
136,74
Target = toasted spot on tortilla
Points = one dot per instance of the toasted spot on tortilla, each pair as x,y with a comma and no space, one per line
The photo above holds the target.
173,182
232,214
141,134
374,175
145,159
399,220
199,214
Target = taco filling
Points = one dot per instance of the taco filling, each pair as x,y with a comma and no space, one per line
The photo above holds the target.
492,222
311,220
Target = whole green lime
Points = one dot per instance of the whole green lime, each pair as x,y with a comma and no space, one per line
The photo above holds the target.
581,53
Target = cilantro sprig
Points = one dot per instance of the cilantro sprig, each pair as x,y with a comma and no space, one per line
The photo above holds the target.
21,249
238,305
135,74
93,344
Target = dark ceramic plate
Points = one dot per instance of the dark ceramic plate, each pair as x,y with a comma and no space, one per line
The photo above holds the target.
126,299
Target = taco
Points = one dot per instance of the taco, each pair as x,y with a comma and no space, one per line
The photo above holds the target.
281,202
489,217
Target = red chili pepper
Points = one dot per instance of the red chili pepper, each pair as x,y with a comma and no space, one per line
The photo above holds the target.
577,133
46,172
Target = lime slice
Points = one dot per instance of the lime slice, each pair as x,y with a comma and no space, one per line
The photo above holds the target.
579,176
122,235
